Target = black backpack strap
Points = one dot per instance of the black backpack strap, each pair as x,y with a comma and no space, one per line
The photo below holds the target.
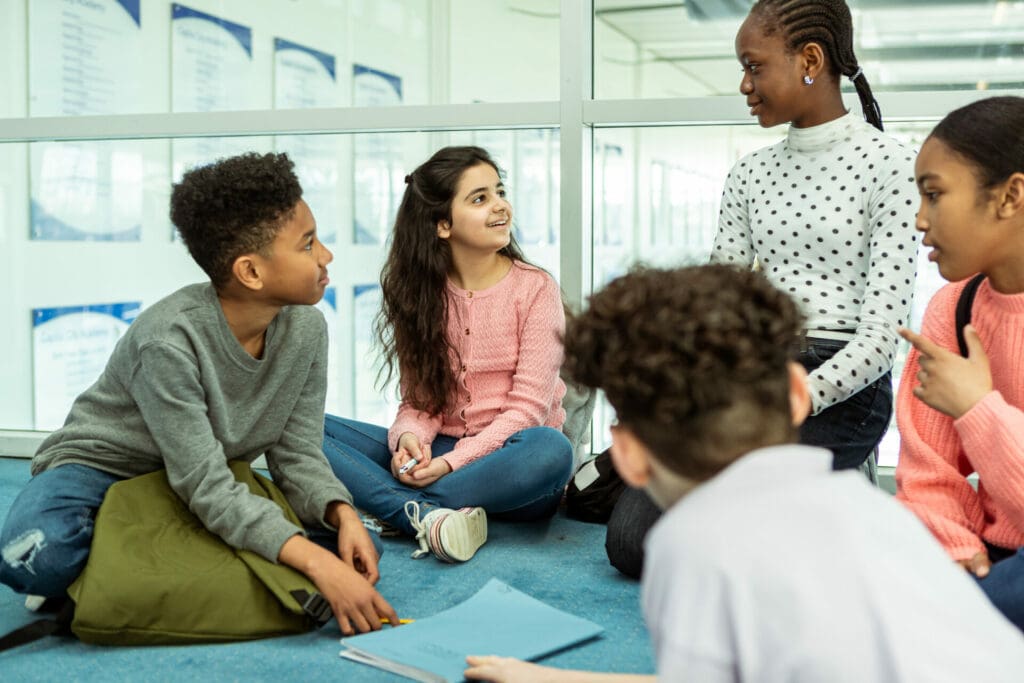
59,626
963,310
314,605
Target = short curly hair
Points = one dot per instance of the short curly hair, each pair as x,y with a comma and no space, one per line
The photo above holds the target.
694,361
232,207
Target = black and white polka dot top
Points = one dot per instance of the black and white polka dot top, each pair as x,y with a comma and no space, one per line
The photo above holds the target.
829,214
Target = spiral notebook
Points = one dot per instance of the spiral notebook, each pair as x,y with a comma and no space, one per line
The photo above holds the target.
497,620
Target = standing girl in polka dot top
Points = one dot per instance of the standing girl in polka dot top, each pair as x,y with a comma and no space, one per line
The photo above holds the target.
475,333
828,213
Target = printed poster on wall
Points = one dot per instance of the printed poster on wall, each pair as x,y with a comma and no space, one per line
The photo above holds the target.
371,405
305,78
211,70
85,58
378,175
328,305
70,348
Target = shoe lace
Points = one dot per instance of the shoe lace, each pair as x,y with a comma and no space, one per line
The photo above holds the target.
412,511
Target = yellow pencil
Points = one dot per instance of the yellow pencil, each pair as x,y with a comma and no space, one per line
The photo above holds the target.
385,620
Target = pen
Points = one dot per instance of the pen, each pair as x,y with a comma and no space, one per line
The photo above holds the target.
408,466
385,620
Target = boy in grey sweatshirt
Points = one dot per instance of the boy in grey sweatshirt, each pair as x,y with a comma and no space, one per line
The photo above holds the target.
230,369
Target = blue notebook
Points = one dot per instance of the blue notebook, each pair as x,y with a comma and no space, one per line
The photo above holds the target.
498,620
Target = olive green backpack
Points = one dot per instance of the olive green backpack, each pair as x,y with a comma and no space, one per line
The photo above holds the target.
156,575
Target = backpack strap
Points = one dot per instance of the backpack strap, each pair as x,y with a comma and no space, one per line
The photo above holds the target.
314,605
963,310
59,626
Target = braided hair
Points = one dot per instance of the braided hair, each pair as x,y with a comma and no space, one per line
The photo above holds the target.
828,23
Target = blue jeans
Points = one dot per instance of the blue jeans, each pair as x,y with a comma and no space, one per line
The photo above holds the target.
1004,584
47,535
521,481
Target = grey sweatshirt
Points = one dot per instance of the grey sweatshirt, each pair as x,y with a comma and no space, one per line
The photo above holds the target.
180,393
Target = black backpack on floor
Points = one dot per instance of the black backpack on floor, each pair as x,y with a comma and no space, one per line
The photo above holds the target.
594,490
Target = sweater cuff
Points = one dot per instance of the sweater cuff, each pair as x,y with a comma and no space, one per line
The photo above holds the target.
965,552
272,536
457,460
976,425
396,431
325,497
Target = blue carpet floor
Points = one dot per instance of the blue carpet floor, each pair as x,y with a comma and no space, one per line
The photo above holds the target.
561,562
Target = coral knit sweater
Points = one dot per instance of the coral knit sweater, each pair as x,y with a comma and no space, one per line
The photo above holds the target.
937,453
509,340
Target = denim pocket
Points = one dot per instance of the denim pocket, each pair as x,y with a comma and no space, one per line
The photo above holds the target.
817,351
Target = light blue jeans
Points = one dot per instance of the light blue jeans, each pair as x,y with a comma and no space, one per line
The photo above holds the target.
521,481
48,531
47,535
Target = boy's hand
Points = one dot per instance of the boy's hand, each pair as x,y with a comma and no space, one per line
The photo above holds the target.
977,565
355,548
356,604
948,382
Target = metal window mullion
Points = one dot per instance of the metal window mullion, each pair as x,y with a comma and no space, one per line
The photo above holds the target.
725,110
576,149
412,118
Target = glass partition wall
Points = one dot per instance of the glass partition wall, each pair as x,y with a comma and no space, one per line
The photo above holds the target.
615,122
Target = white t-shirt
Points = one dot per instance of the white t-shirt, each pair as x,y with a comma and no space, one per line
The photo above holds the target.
779,569
829,214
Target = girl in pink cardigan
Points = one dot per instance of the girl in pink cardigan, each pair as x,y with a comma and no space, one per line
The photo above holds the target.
475,333
961,415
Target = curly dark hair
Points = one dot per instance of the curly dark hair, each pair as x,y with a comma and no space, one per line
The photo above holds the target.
829,24
694,361
413,322
232,207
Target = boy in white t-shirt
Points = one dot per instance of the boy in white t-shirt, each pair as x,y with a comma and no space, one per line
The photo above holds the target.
767,565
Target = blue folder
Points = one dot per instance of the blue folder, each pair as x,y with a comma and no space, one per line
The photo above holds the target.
498,620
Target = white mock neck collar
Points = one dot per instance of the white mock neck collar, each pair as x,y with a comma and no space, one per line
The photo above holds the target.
823,136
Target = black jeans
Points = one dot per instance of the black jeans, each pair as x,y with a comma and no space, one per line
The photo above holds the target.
850,429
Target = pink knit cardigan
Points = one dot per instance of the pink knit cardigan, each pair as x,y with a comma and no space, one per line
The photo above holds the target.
509,340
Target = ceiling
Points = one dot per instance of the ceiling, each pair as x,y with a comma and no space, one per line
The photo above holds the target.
902,44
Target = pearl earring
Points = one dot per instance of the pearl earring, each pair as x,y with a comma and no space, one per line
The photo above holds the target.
807,79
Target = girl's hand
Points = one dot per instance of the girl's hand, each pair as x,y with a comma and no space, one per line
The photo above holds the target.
977,565
409,448
948,382
425,475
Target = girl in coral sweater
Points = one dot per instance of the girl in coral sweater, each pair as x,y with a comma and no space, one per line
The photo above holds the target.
961,415
475,333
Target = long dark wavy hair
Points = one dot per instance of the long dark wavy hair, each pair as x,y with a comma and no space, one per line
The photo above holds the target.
828,23
412,325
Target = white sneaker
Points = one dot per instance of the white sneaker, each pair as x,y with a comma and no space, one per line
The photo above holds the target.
34,602
452,535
